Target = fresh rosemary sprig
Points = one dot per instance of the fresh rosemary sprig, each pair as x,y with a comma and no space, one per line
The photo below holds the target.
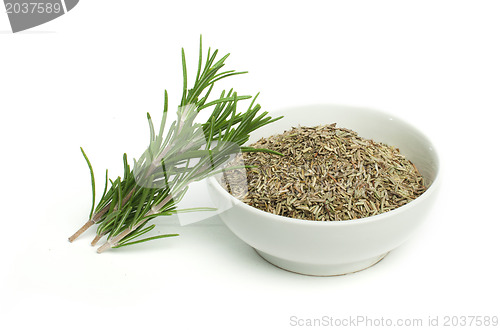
186,153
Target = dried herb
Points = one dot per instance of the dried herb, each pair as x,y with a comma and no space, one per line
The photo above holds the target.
325,173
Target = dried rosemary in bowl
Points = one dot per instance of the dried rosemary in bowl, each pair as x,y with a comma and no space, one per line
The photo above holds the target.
326,173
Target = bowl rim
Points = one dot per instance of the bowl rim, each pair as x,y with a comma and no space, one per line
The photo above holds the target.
359,221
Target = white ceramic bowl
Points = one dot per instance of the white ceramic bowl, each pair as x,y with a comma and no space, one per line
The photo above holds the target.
334,247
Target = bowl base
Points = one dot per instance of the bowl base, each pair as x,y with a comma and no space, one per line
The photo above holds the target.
320,270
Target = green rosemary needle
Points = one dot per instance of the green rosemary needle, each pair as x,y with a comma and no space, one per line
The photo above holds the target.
185,153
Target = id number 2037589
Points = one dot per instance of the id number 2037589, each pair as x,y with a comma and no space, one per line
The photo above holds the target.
468,321
33,7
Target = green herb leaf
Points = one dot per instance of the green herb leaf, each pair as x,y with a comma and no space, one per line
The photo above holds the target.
92,179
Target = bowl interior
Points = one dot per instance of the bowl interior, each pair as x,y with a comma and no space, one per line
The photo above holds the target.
368,123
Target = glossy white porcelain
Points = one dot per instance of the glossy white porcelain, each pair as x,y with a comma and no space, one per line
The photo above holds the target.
334,247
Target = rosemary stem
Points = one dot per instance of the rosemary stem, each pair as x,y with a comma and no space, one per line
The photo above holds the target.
104,247
96,217
80,231
96,239
113,241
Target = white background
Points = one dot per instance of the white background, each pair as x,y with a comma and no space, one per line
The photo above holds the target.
88,78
